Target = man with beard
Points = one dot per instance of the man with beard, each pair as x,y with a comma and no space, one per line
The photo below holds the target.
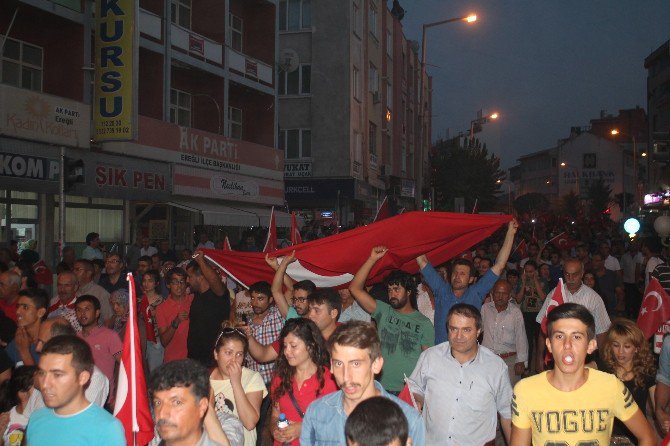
461,287
296,292
210,307
264,326
404,331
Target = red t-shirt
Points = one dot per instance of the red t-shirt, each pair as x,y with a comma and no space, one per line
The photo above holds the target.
305,395
9,309
148,319
166,312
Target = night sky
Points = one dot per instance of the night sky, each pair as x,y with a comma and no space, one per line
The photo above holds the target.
544,65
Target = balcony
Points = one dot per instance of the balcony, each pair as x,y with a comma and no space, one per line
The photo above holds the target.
249,68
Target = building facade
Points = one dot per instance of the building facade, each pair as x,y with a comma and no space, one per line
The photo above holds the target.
202,155
349,85
658,109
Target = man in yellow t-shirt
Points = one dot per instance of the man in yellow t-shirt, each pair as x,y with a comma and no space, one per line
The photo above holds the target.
573,405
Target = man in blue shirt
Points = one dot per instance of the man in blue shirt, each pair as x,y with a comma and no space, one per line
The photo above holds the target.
355,352
462,288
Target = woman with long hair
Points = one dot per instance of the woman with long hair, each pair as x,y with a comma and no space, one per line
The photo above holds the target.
301,376
626,354
237,390
151,298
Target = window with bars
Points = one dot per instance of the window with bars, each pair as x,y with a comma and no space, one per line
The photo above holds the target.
180,107
22,64
296,143
372,20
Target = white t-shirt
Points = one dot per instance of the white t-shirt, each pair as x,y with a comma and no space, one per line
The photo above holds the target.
612,264
16,428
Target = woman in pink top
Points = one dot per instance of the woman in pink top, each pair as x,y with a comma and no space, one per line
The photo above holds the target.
301,377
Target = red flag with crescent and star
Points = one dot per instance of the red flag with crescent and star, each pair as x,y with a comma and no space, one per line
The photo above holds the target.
556,300
563,241
655,309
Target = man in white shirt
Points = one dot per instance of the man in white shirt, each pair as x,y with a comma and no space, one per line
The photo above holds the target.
611,262
147,249
504,331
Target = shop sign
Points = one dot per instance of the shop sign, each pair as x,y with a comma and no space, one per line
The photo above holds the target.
407,188
29,167
297,170
37,116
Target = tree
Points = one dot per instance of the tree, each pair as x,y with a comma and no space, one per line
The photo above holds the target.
600,195
570,204
470,173
532,203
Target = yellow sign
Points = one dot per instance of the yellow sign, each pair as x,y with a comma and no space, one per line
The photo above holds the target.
115,104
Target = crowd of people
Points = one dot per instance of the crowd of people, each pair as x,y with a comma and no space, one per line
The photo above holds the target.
463,353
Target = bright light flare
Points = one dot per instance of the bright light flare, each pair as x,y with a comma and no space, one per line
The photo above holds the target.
614,132
563,164
471,18
494,115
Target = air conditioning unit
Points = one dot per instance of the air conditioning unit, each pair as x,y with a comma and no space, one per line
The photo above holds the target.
385,170
375,97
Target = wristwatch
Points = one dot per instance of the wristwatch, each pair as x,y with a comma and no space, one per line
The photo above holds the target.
175,324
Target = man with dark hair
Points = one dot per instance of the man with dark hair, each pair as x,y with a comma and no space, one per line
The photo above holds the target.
462,287
85,272
403,330
114,277
65,369
607,281
210,307
573,404
179,392
143,265
92,251
172,316
97,389
377,421
325,306
355,352
294,292
104,342
31,309
462,386
264,326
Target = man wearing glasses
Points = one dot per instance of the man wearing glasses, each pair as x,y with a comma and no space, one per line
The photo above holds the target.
172,317
114,279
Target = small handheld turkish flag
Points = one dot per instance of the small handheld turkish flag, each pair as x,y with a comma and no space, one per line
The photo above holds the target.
563,241
655,309
271,242
556,300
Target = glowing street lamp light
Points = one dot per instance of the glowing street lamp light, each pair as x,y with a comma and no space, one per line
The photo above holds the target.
471,18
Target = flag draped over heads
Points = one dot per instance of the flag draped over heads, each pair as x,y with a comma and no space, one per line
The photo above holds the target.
331,261
295,231
556,300
271,242
132,402
655,309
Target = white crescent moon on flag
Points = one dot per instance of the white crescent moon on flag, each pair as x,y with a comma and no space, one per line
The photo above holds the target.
298,272
658,298
562,242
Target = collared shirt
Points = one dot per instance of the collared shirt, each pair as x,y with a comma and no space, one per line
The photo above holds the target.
266,333
584,296
58,309
629,264
663,374
461,400
105,344
611,263
324,420
204,440
353,312
445,297
504,331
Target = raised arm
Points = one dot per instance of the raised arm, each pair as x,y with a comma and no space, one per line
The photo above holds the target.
281,297
357,285
215,283
506,249
261,353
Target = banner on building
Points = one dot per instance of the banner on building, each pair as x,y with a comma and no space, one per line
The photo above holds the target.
116,38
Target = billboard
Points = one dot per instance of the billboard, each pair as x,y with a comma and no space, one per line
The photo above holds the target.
116,38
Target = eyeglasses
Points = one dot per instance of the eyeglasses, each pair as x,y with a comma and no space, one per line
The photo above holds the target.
227,331
299,300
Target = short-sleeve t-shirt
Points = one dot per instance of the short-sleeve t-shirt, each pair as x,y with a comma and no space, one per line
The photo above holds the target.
165,314
207,313
304,395
585,415
251,382
93,425
401,335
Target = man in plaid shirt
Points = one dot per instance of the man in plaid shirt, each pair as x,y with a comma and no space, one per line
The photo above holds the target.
264,326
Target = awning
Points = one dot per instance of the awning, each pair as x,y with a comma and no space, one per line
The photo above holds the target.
234,215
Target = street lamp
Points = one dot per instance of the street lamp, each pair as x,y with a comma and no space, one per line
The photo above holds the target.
509,193
476,124
471,18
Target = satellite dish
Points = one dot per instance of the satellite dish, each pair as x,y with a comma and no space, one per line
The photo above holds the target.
288,60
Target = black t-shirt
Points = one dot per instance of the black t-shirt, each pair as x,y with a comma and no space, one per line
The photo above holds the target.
121,283
207,313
